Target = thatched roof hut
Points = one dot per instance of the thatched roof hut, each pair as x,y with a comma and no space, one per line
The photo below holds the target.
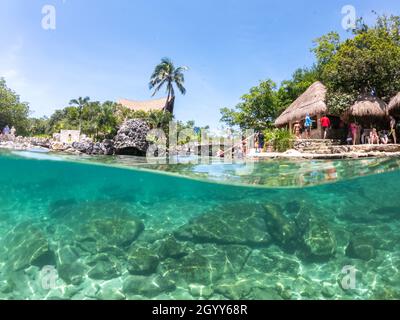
312,102
148,105
394,105
367,107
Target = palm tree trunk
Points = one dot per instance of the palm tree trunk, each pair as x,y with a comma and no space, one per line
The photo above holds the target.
167,103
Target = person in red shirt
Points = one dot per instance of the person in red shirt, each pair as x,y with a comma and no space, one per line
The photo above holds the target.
325,123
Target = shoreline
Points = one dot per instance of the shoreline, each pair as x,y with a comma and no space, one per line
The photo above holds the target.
336,152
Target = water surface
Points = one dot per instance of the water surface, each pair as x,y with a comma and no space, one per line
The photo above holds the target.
127,229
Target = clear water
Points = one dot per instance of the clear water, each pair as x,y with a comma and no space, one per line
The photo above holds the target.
125,229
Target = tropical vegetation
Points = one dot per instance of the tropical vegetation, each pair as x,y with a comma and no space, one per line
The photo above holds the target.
280,140
12,110
365,63
167,75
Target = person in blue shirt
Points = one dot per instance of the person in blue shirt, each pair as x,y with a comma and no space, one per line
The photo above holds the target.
6,130
307,126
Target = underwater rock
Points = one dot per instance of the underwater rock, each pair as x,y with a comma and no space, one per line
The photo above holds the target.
318,240
69,268
131,138
117,231
200,291
385,213
72,273
227,225
206,264
7,286
328,290
386,294
104,267
142,261
26,245
266,261
235,289
61,208
149,287
66,255
226,259
361,247
282,229
193,268
265,293
111,290
171,248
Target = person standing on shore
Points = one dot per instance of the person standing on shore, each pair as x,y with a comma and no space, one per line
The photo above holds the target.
6,130
393,125
261,141
297,130
325,123
307,126
353,131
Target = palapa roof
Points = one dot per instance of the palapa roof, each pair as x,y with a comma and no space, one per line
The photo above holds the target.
148,105
312,102
394,103
367,106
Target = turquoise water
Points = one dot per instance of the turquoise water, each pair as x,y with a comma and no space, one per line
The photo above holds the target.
125,229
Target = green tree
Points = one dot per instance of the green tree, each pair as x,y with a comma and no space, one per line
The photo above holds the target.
166,74
80,103
256,111
106,119
367,63
38,126
325,48
13,112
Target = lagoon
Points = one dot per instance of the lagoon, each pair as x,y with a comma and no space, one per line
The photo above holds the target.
121,228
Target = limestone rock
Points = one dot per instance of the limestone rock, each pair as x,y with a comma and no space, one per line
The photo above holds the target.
148,287
27,245
282,229
361,247
171,248
142,261
115,231
69,268
227,225
319,240
131,138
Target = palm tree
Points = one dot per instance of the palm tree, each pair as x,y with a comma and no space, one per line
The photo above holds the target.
80,103
165,74
106,120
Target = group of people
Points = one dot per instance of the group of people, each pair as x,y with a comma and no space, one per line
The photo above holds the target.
6,132
307,126
357,134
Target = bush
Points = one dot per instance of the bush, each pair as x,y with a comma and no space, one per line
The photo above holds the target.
281,139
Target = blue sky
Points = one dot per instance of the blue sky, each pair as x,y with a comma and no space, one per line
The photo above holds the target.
108,49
